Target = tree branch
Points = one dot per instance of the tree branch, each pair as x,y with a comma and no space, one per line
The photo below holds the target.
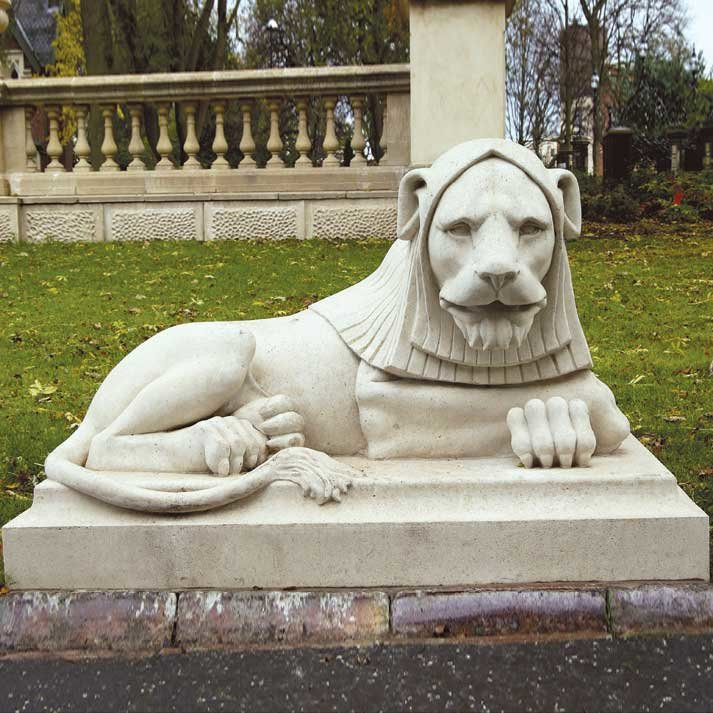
199,36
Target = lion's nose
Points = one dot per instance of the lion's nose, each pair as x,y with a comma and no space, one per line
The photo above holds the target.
498,276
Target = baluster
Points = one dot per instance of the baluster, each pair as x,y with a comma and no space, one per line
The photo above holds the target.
54,147
136,144
358,142
274,142
82,148
302,144
30,148
247,143
331,143
109,147
220,145
164,145
191,145
384,132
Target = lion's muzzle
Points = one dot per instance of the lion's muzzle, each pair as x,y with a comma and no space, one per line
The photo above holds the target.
496,325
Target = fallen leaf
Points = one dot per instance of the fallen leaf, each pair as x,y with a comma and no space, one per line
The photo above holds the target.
652,441
39,389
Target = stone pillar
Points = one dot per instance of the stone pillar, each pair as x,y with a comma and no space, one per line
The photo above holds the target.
4,17
678,138
706,136
396,130
675,157
618,153
457,73
14,134
4,184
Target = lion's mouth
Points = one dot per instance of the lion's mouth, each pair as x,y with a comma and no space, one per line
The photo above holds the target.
496,308
490,308
495,325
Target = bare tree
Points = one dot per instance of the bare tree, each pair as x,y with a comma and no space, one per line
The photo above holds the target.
520,40
617,30
572,77
531,74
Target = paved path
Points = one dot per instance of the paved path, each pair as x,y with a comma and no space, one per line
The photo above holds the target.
673,674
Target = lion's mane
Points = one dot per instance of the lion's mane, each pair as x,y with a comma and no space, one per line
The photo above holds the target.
393,319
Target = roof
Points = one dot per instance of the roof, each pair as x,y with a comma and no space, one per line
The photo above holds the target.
35,22
20,36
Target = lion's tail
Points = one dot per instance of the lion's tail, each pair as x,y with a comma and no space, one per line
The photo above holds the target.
312,470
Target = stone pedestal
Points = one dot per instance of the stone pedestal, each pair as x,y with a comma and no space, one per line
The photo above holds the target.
457,57
406,523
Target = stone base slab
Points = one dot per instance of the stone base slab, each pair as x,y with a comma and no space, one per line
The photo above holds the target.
151,621
405,523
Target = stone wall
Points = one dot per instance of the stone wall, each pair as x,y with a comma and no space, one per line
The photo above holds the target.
331,215
336,203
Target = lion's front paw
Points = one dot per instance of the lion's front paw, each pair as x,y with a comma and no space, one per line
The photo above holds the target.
555,432
277,417
230,444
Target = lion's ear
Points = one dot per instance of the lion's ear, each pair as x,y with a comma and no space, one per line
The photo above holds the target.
407,212
572,206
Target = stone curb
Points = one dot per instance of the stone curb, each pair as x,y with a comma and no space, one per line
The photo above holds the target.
500,613
151,621
87,621
237,618
654,609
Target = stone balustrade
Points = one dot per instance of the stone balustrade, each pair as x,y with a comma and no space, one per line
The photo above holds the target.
250,153
166,93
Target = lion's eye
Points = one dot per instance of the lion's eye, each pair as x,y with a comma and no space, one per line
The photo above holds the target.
460,230
529,229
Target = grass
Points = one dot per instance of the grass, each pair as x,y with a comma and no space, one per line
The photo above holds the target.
69,313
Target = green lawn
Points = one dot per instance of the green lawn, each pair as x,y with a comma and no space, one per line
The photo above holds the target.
69,312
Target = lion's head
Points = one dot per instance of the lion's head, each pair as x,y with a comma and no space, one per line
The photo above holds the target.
477,289
490,246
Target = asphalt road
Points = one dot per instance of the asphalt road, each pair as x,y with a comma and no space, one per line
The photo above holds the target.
673,674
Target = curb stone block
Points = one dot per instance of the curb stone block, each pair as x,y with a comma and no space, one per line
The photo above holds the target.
661,608
499,613
208,618
64,621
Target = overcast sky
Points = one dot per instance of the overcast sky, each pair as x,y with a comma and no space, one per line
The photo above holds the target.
700,27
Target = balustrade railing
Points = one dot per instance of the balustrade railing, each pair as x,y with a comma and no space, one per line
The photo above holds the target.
274,119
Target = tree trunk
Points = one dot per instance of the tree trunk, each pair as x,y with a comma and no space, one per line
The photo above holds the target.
98,53
598,67
124,12
568,81
199,36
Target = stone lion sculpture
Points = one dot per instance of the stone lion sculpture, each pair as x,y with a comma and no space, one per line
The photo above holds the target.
465,342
